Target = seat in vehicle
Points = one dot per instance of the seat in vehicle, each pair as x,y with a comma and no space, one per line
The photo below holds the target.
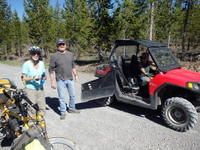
120,66
134,67
125,83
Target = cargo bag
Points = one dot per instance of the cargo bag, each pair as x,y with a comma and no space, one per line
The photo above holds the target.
31,140
4,94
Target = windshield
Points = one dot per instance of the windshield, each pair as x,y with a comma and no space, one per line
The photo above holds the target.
164,59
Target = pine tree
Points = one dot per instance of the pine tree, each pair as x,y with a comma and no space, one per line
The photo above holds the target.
78,24
193,25
25,31
39,22
164,20
130,18
103,23
16,34
5,22
58,28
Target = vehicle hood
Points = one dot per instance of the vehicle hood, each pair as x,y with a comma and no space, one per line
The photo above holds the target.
182,75
178,77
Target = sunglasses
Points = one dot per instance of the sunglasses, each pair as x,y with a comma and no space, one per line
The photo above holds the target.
35,53
61,44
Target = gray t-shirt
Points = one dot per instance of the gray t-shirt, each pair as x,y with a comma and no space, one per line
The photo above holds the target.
62,64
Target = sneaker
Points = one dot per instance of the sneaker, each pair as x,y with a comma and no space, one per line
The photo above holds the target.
63,116
73,111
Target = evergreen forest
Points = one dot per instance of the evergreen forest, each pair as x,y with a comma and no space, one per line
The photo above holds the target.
91,26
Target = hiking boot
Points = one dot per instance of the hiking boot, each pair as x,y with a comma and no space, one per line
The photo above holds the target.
73,111
62,116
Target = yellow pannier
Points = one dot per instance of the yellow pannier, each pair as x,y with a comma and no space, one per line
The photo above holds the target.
4,94
34,145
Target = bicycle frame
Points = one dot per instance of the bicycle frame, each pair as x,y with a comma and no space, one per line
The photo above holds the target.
6,113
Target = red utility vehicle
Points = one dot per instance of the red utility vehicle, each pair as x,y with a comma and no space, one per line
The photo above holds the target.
173,88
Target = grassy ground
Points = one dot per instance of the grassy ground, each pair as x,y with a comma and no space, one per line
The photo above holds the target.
12,62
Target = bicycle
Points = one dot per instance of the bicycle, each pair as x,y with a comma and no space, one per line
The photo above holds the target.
19,118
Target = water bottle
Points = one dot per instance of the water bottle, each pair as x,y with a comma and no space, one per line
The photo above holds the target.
42,80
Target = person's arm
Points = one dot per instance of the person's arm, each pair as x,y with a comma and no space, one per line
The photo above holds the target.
74,73
141,68
152,65
53,80
143,71
25,70
26,78
52,72
44,76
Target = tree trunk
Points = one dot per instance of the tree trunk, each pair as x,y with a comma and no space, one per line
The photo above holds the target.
151,21
17,49
5,52
185,22
169,40
188,45
100,53
20,49
8,48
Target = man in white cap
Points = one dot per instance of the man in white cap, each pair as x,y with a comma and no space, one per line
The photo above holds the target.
62,74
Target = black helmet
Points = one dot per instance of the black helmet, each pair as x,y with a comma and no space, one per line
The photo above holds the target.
34,50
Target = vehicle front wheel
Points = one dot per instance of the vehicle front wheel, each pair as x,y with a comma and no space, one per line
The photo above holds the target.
105,101
179,114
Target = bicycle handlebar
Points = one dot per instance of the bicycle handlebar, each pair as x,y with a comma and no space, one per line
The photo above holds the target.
21,94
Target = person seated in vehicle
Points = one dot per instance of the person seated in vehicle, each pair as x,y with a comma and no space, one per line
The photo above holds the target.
145,68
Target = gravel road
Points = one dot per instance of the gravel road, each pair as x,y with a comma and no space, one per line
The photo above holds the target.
119,127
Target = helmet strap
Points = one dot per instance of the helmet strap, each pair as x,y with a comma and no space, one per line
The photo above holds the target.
35,62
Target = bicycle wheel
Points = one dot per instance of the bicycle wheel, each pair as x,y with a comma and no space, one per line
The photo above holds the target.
60,143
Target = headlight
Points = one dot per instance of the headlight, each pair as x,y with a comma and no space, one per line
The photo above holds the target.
193,85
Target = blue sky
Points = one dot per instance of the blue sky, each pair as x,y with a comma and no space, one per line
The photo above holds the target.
18,5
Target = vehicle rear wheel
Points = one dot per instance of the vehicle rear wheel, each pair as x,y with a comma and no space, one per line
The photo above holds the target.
179,114
105,101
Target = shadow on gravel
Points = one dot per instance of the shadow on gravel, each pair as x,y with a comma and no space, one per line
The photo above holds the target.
153,115
6,142
53,103
87,105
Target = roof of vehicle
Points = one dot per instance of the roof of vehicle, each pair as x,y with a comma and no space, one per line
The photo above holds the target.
146,43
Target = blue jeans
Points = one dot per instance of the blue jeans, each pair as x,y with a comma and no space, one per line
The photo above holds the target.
62,85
